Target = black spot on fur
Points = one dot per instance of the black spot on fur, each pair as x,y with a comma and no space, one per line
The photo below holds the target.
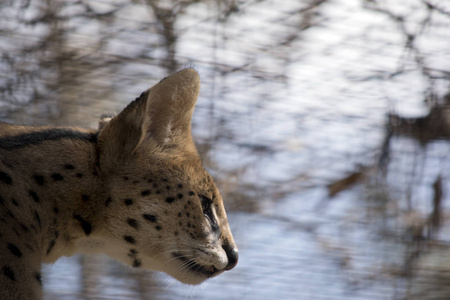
180,196
56,210
170,199
158,227
34,196
137,263
57,177
150,218
14,201
133,223
164,179
5,178
128,201
108,201
14,250
2,201
24,227
8,272
37,217
79,175
39,179
191,193
125,178
158,192
145,193
133,253
69,166
85,198
180,186
179,215
15,231
129,239
38,277
87,227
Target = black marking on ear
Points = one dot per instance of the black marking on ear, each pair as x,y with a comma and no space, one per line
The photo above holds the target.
150,218
40,180
57,177
14,250
5,178
129,239
8,272
38,277
34,196
38,137
87,227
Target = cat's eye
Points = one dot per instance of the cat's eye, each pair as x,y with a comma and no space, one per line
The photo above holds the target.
206,204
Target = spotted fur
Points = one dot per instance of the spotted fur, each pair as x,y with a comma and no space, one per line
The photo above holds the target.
135,190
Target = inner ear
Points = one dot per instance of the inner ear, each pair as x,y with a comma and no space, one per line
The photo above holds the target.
169,108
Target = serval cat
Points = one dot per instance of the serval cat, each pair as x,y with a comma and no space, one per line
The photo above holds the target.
135,190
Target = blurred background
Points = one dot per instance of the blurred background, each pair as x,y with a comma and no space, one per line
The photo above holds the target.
325,123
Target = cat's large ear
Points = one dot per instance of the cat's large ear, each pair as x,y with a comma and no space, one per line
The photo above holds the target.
168,110
160,117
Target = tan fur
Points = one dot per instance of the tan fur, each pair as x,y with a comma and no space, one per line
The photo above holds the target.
135,190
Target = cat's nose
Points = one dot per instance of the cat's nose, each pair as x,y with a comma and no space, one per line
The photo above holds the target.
232,254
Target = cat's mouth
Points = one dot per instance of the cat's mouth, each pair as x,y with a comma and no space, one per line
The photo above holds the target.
196,268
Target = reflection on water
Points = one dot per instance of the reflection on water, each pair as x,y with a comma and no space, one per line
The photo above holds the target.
325,124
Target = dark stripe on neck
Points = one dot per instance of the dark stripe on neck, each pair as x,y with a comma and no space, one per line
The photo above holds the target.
38,137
